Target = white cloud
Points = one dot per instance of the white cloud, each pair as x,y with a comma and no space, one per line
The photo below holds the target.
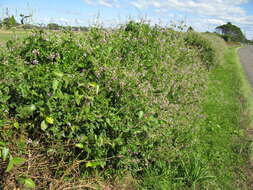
61,21
206,13
106,3
215,21
204,7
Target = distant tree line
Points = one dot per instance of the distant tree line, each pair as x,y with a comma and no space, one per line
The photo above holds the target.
10,22
229,32
54,26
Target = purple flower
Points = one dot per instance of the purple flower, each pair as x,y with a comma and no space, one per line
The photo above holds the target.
54,56
35,62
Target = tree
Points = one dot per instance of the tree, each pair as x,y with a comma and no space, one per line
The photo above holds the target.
190,29
230,32
24,17
9,21
53,26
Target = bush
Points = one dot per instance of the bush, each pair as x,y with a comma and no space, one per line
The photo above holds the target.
211,47
123,99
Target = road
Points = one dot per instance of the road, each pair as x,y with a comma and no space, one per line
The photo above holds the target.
246,58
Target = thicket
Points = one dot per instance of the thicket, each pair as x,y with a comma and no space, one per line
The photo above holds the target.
209,46
127,100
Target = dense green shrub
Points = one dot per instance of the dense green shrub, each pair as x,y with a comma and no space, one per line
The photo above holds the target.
125,99
230,32
211,47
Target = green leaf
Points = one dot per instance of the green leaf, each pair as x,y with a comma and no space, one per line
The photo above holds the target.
16,125
4,98
31,108
10,164
18,161
89,164
78,98
110,49
87,149
29,183
93,84
25,111
58,74
83,138
79,145
1,123
55,85
95,164
43,125
15,161
141,113
51,151
108,121
24,89
2,143
5,152
50,120
66,81
97,89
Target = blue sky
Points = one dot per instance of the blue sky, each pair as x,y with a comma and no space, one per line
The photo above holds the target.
203,15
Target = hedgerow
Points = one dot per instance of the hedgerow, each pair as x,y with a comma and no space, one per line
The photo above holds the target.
122,100
210,46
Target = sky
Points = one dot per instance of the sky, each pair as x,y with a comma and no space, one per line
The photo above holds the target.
202,15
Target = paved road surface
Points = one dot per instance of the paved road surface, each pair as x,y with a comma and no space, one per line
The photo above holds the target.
246,58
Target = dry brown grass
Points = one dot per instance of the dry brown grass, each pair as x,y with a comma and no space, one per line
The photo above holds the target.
51,173
231,44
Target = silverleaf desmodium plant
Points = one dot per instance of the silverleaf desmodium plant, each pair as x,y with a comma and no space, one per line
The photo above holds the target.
123,98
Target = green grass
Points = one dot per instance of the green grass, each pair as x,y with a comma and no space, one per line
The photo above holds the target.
223,135
247,123
246,91
7,35
4,37
217,160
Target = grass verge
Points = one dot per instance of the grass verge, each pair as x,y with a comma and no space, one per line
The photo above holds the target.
247,118
228,107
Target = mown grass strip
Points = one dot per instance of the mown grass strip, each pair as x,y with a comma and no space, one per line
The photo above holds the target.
228,107
247,121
